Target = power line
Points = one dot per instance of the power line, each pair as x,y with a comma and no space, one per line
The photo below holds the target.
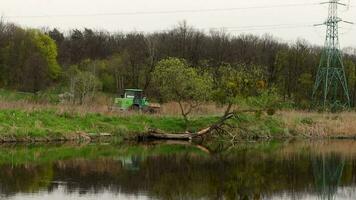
266,26
166,12
254,27
270,28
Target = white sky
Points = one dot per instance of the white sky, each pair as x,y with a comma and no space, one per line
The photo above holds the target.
288,16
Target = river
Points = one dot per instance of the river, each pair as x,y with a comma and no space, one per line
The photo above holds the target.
321,169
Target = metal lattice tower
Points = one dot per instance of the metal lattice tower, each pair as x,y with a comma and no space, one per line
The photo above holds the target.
331,88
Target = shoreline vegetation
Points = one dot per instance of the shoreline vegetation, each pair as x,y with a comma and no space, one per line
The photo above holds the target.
60,87
57,86
22,121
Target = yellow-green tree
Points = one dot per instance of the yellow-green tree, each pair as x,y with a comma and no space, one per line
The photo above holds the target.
178,82
47,49
29,60
233,86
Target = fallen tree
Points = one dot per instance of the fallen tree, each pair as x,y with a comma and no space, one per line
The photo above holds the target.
218,127
232,86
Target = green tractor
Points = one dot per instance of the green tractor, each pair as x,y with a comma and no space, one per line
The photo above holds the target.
133,99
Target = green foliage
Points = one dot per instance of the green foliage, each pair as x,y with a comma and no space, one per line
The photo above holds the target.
267,99
307,120
83,85
178,82
86,84
232,84
255,126
48,49
47,96
7,95
306,83
116,72
28,60
108,82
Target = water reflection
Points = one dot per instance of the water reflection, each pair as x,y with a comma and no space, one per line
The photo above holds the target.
268,170
327,173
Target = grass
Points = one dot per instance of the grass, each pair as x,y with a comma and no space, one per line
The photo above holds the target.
102,103
42,115
256,126
44,123
313,124
24,115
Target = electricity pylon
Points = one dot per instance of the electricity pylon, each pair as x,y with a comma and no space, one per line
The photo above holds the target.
331,88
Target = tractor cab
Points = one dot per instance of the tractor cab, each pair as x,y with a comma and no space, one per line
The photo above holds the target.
132,93
132,99
137,96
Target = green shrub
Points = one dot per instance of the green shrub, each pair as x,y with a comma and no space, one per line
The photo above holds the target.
307,120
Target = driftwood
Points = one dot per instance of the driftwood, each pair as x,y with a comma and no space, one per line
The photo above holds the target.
160,135
157,134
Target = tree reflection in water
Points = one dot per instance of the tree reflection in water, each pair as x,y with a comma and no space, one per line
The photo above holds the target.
250,171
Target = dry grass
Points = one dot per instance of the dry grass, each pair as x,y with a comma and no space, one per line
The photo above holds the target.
314,124
310,124
104,106
61,108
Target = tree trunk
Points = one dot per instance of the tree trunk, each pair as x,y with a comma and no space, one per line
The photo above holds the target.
160,135
156,134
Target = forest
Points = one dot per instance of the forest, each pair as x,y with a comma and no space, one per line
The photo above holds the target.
33,60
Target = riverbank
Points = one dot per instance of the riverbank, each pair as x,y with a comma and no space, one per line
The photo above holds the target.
319,125
43,125
52,125
47,125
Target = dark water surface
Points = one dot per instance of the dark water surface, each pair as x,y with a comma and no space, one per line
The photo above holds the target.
265,170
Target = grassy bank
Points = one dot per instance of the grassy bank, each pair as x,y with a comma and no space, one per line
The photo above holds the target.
44,124
51,124
24,117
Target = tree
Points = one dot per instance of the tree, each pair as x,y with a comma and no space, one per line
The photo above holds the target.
350,69
29,60
116,66
136,50
232,85
178,82
82,85
48,50
282,63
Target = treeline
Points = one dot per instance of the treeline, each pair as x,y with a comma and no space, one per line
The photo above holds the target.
28,59
126,60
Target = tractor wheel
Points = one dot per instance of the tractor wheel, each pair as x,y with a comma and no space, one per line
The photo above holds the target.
135,108
154,110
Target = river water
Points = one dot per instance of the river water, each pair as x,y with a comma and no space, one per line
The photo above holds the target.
251,170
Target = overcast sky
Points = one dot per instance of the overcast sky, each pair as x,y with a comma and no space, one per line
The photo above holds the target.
253,16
